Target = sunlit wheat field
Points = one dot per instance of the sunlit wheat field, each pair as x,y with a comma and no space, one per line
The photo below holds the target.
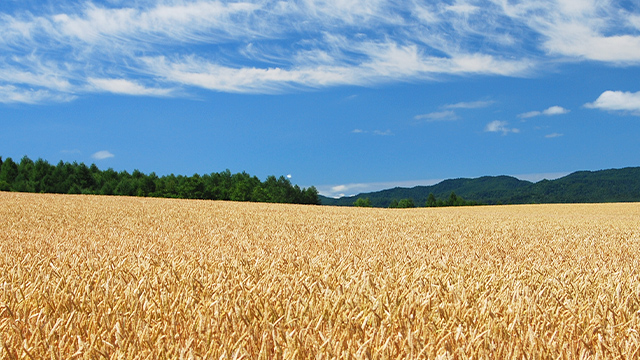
90,277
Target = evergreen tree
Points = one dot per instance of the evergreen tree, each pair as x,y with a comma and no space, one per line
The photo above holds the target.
4,185
79,179
22,181
84,178
9,171
406,203
125,187
362,202
108,188
40,175
311,196
431,200
453,199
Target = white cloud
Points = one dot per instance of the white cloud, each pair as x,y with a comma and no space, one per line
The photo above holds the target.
500,126
623,48
349,12
382,133
93,34
634,21
140,48
384,62
101,155
125,87
488,64
462,9
30,71
374,132
12,94
553,135
469,105
530,114
186,21
617,101
579,29
446,115
496,126
204,74
554,110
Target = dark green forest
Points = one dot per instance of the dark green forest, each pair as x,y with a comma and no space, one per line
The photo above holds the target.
612,185
432,201
77,178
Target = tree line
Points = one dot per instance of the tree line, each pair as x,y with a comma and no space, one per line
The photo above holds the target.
453,200
77,178
611,185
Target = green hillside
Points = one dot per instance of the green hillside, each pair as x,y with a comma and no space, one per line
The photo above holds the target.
614,185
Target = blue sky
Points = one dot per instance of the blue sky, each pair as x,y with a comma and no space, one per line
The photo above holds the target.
345,95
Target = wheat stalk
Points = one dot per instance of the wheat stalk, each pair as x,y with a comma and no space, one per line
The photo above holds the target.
138,278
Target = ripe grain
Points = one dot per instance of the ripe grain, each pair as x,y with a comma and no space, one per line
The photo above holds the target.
139,278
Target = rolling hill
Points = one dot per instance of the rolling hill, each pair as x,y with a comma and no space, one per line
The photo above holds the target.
613,185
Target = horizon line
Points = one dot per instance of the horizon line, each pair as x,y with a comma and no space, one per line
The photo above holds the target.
337,191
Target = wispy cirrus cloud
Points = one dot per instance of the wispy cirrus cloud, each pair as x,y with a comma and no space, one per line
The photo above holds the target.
125,87
447,115
383,132
12,94
143,48
387,132
161,22
530,114
384,62
553,135
469,105
587,29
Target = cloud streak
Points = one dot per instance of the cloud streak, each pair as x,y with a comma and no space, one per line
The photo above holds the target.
469,105
387,132
447,115
553,135
580,30
147,48
125,87
12,94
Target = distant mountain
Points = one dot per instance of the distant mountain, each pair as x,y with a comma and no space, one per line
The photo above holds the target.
614,185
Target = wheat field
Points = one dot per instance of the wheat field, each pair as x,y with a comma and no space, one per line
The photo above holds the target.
90,277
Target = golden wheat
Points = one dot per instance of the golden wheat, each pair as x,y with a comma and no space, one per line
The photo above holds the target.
137,278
